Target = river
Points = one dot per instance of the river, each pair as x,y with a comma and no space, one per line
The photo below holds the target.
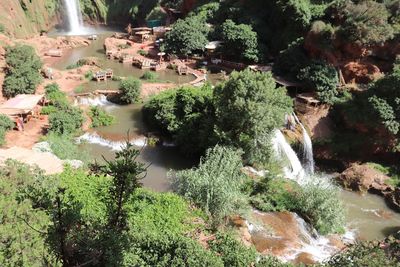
368,216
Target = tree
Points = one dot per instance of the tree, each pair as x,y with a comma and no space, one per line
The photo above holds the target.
130,90
215,185
322,77
187,36
365,22
185,114
99,117
22,71
248,108
240,41
66,120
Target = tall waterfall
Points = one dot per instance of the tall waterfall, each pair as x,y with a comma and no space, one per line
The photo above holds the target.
308,156
74,15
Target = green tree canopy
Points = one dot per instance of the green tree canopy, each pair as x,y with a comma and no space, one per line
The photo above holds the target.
22,71
187,36
130,90
248,108
240,41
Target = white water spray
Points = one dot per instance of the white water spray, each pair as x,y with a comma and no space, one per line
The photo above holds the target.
308,156
74,16
94,138
284,151
100,100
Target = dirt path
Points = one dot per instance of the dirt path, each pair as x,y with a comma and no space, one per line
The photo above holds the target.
33,132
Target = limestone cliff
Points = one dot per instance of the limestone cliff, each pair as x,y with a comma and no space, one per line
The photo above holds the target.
25,18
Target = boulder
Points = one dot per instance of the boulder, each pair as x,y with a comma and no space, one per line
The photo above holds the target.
357,72
363,178
393,198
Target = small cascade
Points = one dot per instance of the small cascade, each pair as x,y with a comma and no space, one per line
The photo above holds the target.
308,156
74,16
98,100
284,151
94,138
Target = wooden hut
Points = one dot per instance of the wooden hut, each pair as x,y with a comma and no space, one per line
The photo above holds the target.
126,58
182,70
100,76
109,73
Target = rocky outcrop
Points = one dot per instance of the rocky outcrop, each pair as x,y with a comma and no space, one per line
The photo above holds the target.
363,178
393,198
357,72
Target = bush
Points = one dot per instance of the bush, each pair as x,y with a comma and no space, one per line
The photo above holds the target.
67,120
149,76
323,78
321,206
99,117
5,122
55,95
64,147
215,185
168,250
2,28
186,114
130,90
143,52
22,71
232,252
367,254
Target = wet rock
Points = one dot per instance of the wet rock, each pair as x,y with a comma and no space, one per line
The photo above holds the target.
393,198
304,258
364,178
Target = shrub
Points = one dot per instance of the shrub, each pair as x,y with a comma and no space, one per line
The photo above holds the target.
130,90
2,28
67,120
55,95
22,71
186,114
232,252
168,250
64,147
320,205
323,78
142,52
89,75
48,110
149,76
99,117
215,185
367,254
5,122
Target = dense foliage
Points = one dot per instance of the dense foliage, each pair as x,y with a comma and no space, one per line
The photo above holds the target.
100,117
5,124
215,185
22,71
248,108
130,90
187,37
67,120
240,41
186,114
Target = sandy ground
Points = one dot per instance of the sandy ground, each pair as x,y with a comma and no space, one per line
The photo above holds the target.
34,130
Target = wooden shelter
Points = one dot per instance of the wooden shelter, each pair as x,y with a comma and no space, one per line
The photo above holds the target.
182,70
144,35
22,105
306,102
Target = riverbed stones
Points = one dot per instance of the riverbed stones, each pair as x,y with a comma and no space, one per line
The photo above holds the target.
363,178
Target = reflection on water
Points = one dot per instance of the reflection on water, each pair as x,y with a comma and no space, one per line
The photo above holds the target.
160,159
96,49
369,215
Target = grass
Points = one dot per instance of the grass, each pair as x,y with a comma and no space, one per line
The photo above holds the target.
80,89
392,171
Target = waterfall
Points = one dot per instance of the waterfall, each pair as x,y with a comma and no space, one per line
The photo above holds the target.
284,151
308,156
94,138
100,100
74,16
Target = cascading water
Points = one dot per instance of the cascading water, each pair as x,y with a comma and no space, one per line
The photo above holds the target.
74,16
100,100
308,156
284,151
94,138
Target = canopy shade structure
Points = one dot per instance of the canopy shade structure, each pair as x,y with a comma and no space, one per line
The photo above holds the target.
44,160
21,104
